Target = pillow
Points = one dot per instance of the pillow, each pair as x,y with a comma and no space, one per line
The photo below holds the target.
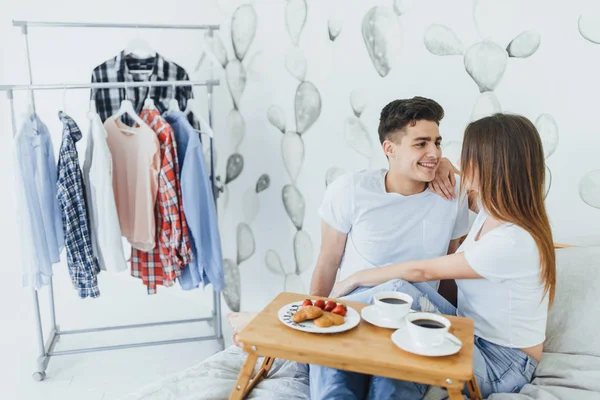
573,322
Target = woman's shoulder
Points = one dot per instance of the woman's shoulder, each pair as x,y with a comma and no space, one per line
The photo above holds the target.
518,244
517,233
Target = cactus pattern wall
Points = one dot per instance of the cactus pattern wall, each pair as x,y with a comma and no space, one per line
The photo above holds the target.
326,71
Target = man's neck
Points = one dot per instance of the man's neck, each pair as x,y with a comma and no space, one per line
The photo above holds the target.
396,183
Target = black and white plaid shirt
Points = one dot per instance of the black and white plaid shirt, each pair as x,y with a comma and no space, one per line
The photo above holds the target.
122,69
82,263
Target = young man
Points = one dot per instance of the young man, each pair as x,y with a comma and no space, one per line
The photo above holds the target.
379,217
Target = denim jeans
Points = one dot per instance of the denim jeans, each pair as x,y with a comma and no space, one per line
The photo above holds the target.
498,369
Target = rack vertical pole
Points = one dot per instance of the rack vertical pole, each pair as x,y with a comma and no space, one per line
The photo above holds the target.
32,99
42,356
216,295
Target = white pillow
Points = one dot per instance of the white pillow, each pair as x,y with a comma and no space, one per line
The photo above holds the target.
574,319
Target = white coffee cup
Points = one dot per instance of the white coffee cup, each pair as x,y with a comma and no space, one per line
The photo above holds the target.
392,309
428,336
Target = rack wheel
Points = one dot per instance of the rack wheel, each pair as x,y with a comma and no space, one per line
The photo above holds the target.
39,376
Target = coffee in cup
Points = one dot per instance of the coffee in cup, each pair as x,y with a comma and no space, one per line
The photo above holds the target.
427,329
392,305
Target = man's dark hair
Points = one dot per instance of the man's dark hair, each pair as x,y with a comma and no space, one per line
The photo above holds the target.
400,113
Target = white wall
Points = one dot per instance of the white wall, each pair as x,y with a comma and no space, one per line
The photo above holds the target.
559,79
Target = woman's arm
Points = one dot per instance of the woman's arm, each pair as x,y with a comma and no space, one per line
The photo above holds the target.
453,266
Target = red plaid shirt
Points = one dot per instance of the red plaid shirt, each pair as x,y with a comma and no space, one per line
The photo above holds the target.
163,264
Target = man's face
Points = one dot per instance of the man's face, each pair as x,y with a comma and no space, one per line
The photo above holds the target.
418,154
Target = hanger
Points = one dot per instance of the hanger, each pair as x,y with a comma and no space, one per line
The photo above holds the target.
141,49
173,103
204,126
64,99
30,106
30,111
149,102
127,108
92,110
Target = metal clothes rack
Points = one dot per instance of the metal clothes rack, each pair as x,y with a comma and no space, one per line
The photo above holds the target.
46,349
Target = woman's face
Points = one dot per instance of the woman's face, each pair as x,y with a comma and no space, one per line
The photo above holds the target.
472,180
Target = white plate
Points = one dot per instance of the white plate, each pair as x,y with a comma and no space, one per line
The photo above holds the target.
372,316
404,340
285,315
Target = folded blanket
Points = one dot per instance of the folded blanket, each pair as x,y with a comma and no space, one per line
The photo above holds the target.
561,376
214,379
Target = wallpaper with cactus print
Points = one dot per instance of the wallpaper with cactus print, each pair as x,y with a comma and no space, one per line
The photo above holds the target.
304,82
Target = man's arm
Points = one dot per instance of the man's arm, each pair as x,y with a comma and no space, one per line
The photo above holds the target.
333,243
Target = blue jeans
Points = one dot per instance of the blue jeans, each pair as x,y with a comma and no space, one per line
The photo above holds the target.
498,369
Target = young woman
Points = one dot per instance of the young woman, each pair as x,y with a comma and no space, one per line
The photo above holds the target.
504,270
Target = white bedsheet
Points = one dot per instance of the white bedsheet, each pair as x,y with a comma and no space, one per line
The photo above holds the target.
215,378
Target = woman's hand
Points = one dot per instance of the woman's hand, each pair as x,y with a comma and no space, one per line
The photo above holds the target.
444,182
344,287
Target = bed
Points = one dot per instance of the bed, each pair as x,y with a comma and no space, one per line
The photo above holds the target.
569,369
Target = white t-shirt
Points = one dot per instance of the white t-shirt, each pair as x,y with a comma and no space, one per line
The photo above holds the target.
104,221
508,306
385,228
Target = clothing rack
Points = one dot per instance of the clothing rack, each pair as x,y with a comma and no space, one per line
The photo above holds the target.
46,348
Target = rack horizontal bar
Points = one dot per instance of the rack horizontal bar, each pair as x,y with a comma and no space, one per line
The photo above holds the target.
51,24
108,85
133,326
130,345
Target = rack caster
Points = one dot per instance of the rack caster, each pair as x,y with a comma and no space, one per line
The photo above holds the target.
39,376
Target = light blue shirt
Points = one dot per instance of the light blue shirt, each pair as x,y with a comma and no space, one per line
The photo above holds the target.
199,208
39,215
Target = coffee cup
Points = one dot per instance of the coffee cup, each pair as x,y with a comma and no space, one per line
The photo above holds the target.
392,305
427,329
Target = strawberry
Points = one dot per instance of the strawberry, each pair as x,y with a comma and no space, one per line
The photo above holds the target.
307,303
320,303
340,309
330,305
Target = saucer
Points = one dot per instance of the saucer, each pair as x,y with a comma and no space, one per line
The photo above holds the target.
372,316
404,340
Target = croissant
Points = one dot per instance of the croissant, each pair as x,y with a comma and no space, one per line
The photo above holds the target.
328,319
307,313
323,322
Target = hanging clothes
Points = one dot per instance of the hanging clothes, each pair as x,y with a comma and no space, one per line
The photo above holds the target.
163,265
83,265
136,162
199,206
39,220
122,68
98,179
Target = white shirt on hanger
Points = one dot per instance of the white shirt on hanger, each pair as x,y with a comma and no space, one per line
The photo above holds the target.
104,220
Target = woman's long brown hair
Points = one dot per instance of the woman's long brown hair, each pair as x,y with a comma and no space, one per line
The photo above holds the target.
504,152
